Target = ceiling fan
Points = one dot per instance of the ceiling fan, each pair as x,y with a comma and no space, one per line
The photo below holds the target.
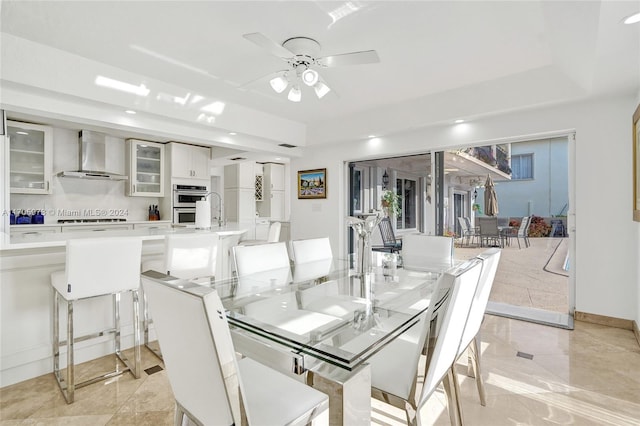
302,57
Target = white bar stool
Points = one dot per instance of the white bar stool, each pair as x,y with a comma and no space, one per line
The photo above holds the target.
186,256
96,267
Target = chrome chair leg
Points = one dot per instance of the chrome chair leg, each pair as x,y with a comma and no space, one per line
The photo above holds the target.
452,390
475,351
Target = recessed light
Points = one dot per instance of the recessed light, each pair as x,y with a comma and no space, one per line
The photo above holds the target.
22,133
278,158
130,111
371,136
633,19
232,133
459,120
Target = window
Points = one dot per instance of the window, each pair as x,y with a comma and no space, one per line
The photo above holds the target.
522,166
408,190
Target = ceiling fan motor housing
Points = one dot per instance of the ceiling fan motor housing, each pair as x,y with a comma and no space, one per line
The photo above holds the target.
305,51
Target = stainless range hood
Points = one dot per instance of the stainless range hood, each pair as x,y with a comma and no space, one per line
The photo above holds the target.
93,158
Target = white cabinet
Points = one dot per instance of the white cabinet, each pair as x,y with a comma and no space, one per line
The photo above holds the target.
145,168
26,231
240,193
239,205
241,175
105,227
273,200
189,161
30,158
274,177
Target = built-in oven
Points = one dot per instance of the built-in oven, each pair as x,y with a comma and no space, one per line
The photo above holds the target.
187,195
184,215
184,202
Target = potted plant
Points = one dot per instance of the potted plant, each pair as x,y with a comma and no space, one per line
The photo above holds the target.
390,202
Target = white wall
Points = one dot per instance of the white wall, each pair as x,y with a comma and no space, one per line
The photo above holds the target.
607,275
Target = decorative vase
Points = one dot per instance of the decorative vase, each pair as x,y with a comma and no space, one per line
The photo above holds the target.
364,228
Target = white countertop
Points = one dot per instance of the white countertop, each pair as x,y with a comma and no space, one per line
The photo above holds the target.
59,239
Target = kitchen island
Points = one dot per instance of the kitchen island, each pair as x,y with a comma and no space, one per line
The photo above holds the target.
26,297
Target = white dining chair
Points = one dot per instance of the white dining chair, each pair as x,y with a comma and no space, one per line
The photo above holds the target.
212,387
95,267
273,236
419,251
186,256
394,370
471,336
312,258
262,264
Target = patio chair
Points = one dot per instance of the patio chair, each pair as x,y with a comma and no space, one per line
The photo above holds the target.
389,242
466,231
519,233
489,232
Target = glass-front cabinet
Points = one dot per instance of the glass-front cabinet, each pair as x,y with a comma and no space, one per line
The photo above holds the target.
145,163
30,152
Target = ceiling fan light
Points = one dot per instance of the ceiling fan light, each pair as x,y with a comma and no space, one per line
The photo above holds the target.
310,77
321,89
279,83
295,94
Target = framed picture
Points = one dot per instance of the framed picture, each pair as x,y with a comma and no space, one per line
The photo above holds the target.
312,183
636,164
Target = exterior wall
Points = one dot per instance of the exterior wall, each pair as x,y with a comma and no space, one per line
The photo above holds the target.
544,195
605,261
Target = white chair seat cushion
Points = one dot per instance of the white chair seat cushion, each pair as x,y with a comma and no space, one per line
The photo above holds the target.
273,398
390,367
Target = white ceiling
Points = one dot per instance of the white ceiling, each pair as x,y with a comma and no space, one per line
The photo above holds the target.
438,60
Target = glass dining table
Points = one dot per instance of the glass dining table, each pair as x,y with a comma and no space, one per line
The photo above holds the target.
323,320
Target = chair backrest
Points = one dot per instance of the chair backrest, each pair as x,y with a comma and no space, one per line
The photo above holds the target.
407,348
488,225
97,266
452,320
469,226
260,257
274,232
191,255
419,250
463,225
524,226
312,258
490,259
310,250
197,351
386,231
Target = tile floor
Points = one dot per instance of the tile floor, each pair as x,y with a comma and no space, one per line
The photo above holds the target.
587,376
530,277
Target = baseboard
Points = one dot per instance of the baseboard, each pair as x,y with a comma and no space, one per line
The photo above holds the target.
604,320
636,331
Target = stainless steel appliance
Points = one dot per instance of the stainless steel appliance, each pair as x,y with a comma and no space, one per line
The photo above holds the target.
184,202
184,215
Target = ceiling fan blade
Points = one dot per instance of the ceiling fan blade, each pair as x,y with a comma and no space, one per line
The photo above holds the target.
354,58
269,45
265,78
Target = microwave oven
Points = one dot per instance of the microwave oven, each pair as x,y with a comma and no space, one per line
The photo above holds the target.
184,215
187,195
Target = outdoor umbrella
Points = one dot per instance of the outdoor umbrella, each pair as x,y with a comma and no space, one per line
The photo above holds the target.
490,198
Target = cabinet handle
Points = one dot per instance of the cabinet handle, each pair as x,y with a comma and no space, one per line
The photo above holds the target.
47,185
134,188
96,230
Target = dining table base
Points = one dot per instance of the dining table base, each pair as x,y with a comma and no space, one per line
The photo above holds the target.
349,392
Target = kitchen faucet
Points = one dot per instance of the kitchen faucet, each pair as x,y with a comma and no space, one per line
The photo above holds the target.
220,221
